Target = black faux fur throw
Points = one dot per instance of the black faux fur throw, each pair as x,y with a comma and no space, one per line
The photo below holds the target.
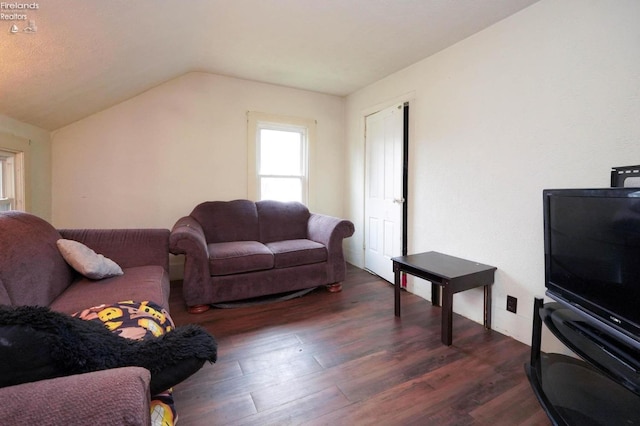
37,343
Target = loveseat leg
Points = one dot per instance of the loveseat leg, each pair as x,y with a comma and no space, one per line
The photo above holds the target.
334,288
198,309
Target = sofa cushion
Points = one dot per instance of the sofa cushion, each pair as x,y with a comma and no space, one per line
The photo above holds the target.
86,261
137,283
280,221
224,221
297,252
239,256
32,269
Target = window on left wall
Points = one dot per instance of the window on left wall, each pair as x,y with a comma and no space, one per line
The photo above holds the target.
11,180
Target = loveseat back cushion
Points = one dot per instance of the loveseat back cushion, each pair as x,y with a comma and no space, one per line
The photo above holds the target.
32,270
236,257
224,221
280,221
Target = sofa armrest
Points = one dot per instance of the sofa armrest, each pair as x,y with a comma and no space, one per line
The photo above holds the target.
126,247
331,231
187,237
110,397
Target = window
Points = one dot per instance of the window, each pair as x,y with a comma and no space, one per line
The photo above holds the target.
11,188
278,157
281,163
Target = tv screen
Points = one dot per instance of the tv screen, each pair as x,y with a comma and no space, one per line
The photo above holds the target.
592,255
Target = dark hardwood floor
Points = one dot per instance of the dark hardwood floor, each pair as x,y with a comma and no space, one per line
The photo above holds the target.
344,359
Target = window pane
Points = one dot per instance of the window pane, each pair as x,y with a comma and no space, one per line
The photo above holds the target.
281,189
280,152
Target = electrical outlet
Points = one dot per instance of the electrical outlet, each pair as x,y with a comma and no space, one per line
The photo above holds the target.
512,304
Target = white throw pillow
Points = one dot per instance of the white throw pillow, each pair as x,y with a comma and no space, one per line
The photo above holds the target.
86,261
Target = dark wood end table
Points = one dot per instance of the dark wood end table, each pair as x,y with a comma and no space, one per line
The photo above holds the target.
452,275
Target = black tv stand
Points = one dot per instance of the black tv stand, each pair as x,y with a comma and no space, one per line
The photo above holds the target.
600,388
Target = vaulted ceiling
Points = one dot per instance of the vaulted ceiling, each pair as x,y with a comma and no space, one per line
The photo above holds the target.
87,55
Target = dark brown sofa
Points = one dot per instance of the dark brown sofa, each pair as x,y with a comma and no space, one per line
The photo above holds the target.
33,272
242,249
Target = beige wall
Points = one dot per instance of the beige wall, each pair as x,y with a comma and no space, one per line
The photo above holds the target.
149,160
549,97
34,142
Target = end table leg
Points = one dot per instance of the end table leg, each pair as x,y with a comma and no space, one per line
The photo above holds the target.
487,307
396,273
435,294
447,316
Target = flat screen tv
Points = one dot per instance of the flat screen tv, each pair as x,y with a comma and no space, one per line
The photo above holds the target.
592,256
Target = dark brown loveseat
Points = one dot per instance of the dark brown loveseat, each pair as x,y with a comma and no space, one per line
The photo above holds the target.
242,249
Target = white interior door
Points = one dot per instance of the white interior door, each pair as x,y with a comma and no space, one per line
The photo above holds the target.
384,190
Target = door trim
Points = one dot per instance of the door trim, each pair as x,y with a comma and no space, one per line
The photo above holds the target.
405,101
405,176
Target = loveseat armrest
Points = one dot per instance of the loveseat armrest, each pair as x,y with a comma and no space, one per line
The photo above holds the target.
119,396
126,247
331,231
187,237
